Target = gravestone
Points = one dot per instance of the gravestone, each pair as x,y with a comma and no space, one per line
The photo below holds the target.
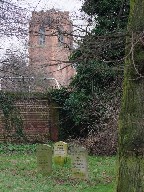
44,159
79,162
60,153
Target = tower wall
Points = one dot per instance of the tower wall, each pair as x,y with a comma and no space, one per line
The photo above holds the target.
50,44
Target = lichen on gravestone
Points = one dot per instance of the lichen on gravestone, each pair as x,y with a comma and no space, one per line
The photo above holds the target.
60,153
44,159
79,162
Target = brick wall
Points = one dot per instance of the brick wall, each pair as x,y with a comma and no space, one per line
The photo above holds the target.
40,119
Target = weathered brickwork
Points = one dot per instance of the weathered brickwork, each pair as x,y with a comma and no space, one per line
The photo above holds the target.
40,120
50,44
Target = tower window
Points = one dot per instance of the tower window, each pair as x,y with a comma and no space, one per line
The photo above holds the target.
60,36
41,35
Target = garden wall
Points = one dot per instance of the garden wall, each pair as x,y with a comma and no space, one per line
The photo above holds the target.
39,117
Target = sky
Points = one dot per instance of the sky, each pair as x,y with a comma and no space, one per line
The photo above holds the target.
73,6
67,5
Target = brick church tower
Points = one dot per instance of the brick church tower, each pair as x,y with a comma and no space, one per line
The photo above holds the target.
50,44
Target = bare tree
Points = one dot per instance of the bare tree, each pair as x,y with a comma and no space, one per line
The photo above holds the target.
13,19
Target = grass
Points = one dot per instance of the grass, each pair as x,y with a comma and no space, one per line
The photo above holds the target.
18,172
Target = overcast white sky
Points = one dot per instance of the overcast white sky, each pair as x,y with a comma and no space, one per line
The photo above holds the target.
73,6
65,5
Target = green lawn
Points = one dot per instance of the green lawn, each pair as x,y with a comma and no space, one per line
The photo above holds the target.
18,172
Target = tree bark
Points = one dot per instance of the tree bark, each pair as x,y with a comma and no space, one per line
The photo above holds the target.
131,121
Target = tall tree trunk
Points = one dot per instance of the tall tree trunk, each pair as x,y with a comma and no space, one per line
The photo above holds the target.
131,123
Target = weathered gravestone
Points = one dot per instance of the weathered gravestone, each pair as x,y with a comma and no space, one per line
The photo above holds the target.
79,162
60,153
44,159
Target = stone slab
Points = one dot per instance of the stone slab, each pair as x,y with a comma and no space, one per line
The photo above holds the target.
44,159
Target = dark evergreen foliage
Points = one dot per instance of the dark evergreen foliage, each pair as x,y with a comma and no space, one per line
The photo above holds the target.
99,58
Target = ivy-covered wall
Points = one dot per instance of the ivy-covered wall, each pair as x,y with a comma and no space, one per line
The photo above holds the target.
31,117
